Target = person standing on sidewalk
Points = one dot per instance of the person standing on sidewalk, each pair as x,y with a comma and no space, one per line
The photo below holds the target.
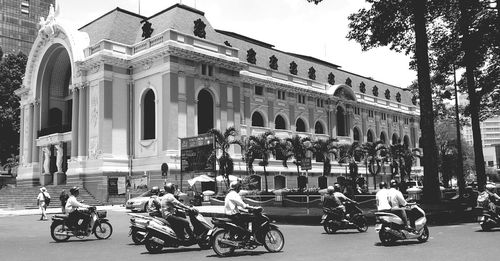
43,201
63,198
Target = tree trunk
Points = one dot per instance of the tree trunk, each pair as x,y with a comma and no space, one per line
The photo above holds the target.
431,179
265,178
469,60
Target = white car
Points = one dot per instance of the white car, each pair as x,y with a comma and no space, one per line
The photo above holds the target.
139,203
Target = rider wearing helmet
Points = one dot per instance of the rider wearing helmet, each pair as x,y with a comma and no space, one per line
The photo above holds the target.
232,204
382,198
75,211
494,199
335,199
398,202
154,204
169,205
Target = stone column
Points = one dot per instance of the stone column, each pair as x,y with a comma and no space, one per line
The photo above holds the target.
82,122
29,143
21,137
36,128
74,124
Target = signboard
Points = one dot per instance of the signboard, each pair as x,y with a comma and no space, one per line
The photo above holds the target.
121,184
195,152
306,164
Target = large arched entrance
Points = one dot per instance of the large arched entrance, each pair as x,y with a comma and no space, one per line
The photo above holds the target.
205,111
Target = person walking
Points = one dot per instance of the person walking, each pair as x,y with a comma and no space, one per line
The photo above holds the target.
43,201
63,197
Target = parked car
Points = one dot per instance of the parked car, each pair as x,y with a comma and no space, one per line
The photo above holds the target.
139,203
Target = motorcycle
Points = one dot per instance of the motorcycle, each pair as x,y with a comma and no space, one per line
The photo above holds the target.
229,236
138,225
160,235
391,228
488,219
354,219
99,226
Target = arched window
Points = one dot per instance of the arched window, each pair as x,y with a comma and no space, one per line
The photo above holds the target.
300,126
257,119
205,112
149,116
318,128
356,135
406,140
383,137
279,123
369,136
340,122
279,182
395,139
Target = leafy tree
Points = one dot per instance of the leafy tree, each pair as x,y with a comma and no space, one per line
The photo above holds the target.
223,142
12,68
261,147
325,148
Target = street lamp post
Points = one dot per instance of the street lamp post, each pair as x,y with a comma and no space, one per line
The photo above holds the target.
460,167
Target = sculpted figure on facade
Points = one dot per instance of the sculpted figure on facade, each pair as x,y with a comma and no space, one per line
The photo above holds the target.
46,160
47,26
59,157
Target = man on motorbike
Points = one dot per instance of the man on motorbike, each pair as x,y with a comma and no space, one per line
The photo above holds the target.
382,198
169,205
76,210
232,204
397,203
154,204
494,199
335,200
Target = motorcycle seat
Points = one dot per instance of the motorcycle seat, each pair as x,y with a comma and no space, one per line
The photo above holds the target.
61,216
227,220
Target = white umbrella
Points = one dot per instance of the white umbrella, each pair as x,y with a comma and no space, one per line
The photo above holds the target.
201,178
231,178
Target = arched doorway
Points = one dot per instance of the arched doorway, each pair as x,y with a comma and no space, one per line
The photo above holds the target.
205,111
300,126
356,136
369,136
257,119
318,128
406,140
279,123
395,139
383,137
341,122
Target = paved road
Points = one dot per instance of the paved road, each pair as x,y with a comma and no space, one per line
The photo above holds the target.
26,238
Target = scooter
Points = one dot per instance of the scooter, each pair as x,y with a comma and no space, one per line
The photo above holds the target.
390,227
354,219
230,236
488,219
160,235
98,225
138,225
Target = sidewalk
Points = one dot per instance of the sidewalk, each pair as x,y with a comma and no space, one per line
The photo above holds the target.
27,212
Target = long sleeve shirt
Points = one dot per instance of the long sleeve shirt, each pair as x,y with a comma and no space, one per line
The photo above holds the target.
73,204
232,201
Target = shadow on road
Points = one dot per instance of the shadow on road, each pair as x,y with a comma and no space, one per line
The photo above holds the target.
342,233
174,250
76,240
489,231
399,243
243,253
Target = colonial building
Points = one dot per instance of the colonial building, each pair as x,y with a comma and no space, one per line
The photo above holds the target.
113,98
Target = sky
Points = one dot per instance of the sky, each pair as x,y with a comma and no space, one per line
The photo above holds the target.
290,25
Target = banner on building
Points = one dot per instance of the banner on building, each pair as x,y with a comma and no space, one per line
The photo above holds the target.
195,153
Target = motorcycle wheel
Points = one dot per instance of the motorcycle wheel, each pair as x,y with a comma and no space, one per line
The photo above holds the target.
274,240
329,229
386,238
361,223
137,238
425,235
152,246
103,230
61,228
221,249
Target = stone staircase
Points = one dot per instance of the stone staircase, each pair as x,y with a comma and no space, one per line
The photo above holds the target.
25,197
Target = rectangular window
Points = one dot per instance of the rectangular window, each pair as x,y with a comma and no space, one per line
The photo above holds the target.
395,118
210,70
301,99
204,69
370,113
383,116
259,90
281,95
319,103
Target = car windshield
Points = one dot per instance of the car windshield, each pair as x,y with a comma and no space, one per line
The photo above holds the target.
146,194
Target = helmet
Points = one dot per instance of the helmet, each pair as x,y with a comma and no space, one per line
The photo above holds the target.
382,185
169,188
235,184
155,190
74,190
393,183
337,187
330,189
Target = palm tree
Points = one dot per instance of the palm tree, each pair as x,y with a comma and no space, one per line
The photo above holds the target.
261,147
222,143
349,154
375,152
325,148
402,159
295,147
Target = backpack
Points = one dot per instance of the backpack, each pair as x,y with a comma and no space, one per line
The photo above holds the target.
483,199
46,199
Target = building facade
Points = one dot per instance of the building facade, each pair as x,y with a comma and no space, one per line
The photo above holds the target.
490,136
113,99
19,23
